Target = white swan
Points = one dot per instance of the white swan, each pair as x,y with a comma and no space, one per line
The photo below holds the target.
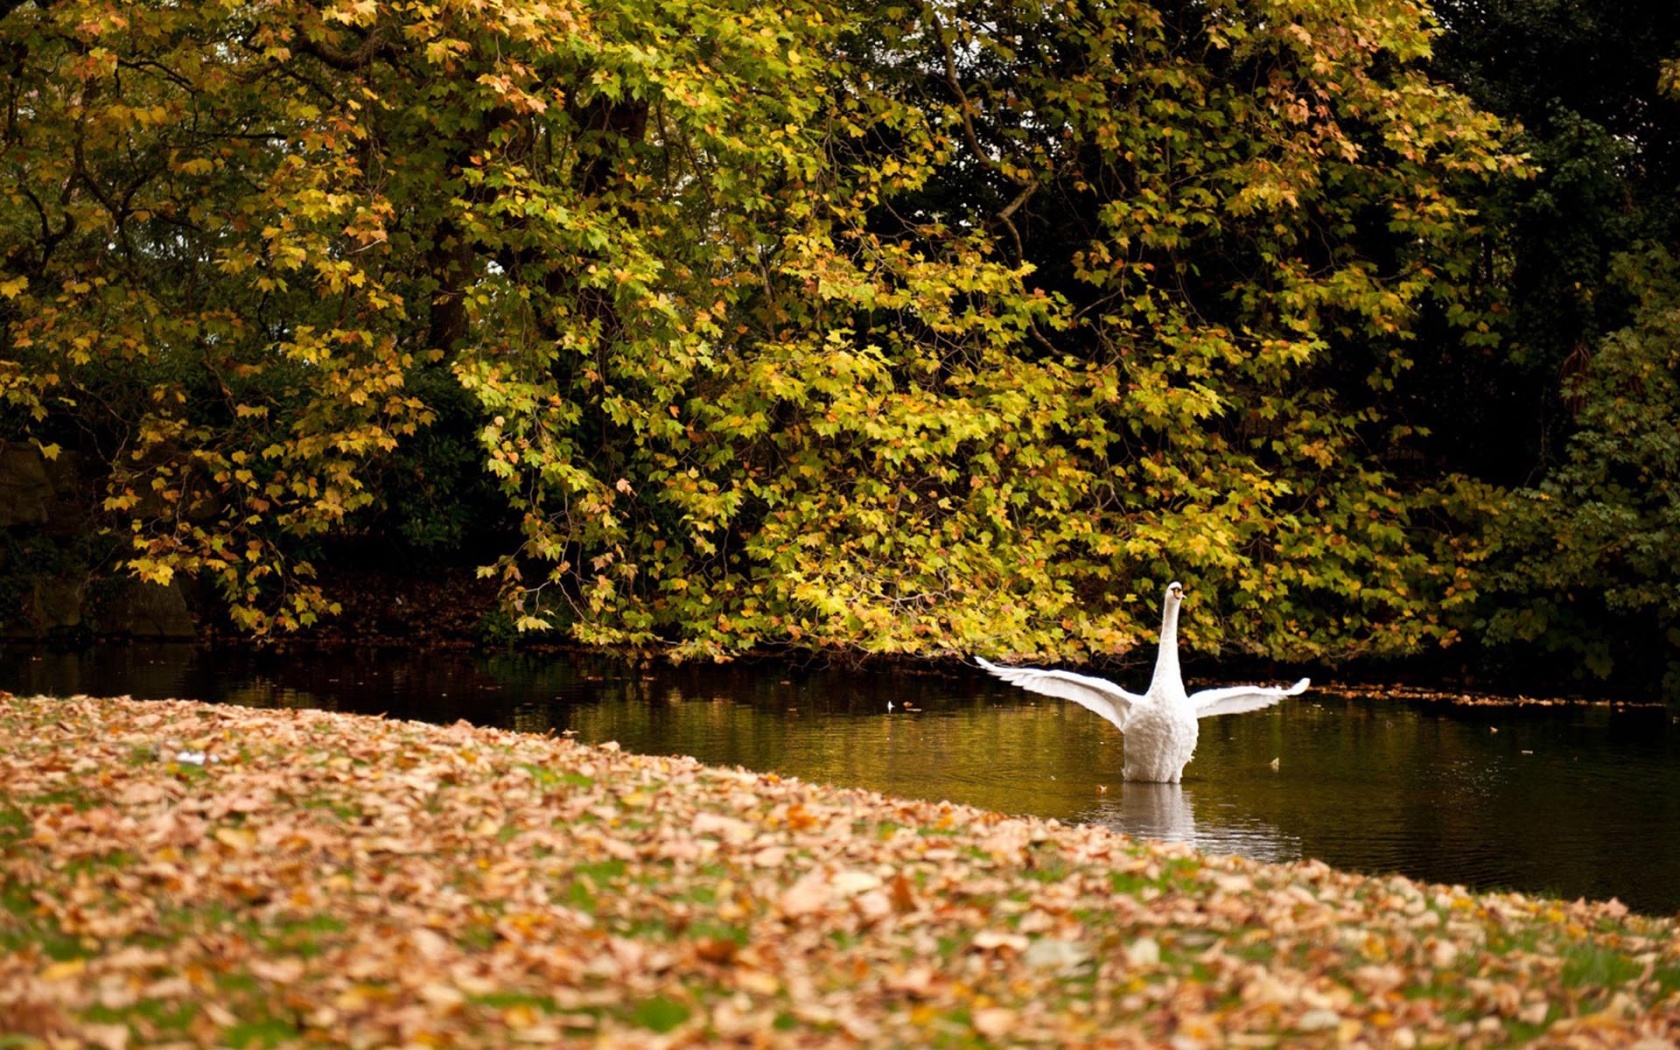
1160,725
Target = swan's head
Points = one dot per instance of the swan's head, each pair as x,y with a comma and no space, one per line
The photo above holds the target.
1175,593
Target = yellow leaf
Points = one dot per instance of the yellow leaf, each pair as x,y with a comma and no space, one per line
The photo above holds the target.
519,1016
63,970
237,839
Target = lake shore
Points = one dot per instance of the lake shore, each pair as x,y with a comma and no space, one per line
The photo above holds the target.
180,873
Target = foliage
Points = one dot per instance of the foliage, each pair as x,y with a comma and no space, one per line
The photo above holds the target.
192,288
901,328
434,503
1245,207
935,427
1582,78
1561,435
1607,591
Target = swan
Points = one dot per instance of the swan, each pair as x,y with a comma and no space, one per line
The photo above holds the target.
1160,725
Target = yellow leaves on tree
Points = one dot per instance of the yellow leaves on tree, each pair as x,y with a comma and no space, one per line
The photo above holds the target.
930,333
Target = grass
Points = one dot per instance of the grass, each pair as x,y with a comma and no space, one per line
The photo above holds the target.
1597,969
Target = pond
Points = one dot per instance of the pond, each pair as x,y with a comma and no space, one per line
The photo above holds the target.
1575,800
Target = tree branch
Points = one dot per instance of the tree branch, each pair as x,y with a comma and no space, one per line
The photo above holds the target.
373,46
965,109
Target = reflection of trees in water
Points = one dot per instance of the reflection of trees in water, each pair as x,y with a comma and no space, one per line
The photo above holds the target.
1166,813
1000,758
262,692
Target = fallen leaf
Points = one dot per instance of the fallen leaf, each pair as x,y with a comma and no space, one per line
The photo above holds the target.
990,940
239,839
994,1022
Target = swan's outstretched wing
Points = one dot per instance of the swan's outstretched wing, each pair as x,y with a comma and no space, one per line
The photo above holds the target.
1234,700
1093,694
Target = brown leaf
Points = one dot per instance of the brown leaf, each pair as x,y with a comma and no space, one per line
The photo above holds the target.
719,950
808,895
994,1022
903,895
107,1036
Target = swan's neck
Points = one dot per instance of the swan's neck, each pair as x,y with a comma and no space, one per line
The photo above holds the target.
1166,660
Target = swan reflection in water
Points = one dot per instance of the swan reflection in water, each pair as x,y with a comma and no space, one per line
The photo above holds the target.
1165,813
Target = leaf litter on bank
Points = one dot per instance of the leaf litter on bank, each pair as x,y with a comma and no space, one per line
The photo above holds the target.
344,880
1418,694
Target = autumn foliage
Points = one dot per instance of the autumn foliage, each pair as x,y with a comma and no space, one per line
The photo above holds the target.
881,327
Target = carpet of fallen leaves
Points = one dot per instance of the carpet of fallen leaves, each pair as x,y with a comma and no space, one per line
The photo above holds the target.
178,873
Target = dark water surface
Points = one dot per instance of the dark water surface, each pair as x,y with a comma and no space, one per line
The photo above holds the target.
1580,800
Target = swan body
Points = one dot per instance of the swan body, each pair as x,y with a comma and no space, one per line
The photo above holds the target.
1161,724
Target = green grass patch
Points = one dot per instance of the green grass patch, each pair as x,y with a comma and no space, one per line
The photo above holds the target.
304,937
77,799
210,915
659,1014
1668,980
1179,870
704,895
28,927
339,807
1263,951
544,777
478,936
238,981
1174,875
268,1031
510,999
1128,883
703,928
14,825
117,858
15,898
589,879
165,1015
1047,869
1589,966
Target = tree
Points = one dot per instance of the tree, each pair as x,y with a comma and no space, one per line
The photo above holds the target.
1561,435
1580,80
1582,564
1242,270
901,328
